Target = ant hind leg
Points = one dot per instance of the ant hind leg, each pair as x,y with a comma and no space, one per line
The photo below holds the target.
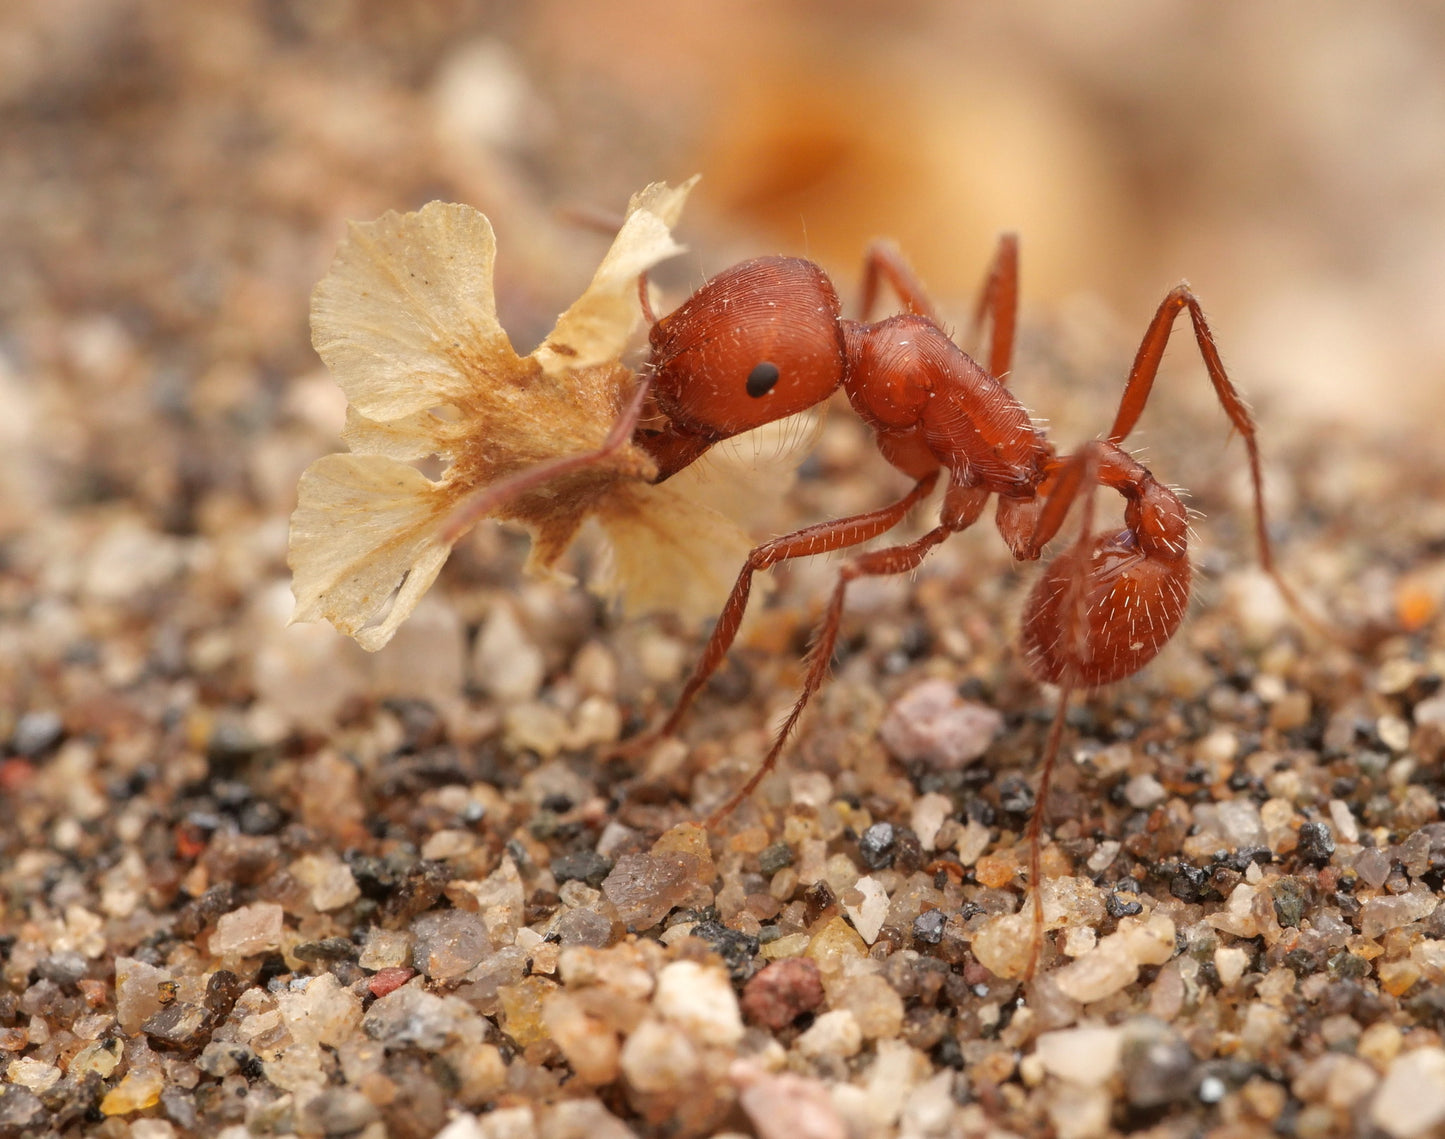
1079,476
1136,395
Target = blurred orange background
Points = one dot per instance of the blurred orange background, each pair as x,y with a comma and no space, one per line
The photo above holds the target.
176,176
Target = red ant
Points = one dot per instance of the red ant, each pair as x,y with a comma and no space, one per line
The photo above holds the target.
766,339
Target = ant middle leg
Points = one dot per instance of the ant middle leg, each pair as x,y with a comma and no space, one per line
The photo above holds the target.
876,563
821,538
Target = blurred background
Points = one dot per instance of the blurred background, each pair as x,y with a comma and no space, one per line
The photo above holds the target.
174,178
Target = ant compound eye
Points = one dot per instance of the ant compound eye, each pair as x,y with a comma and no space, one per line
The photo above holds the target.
762,378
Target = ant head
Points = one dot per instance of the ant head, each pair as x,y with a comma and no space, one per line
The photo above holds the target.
758,342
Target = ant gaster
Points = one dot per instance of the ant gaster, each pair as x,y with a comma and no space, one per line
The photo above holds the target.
766,339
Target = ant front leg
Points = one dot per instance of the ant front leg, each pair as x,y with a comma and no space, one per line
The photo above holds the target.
486,499
885,261
824,537
876,563
998,302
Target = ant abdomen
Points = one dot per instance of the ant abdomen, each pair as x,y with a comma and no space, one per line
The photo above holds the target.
1132,603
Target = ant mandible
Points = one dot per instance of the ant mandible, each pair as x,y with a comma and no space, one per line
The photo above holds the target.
766,339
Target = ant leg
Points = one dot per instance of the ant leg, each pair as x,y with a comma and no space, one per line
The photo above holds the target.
1106,604
1036,823
876,563
824,537
484,500
1080,471
644,299
1146,368
1109,603
1136,395
884,260
999,303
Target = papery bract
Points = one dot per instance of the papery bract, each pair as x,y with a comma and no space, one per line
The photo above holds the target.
406,321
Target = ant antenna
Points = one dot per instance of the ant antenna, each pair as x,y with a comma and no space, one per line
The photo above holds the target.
485,500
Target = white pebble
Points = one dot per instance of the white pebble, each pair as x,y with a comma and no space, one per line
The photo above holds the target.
787,1106
248,931
1230,962
931,723
658,1057
930,1106
464,1126
1143,792
506,664
330,880
1431,711
1394,732
1411,1101
38,1076
930,811
1218,748
1087,1055
507,1123
1388,912
1240,821
834,1033
129,559
1115,961
699,999
868,915
1107,851
972,842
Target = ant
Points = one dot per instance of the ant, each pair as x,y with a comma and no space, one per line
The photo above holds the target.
766,339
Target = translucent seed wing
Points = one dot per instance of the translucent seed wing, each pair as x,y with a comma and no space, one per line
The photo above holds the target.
597,327
365,544
406,317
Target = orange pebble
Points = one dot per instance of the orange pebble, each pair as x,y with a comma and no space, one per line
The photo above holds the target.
994,872
1056,863
389,980
1415,605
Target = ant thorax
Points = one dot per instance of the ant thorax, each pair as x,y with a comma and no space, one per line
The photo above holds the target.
931,405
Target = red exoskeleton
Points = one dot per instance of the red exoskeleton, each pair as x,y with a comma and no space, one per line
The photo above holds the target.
766,339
